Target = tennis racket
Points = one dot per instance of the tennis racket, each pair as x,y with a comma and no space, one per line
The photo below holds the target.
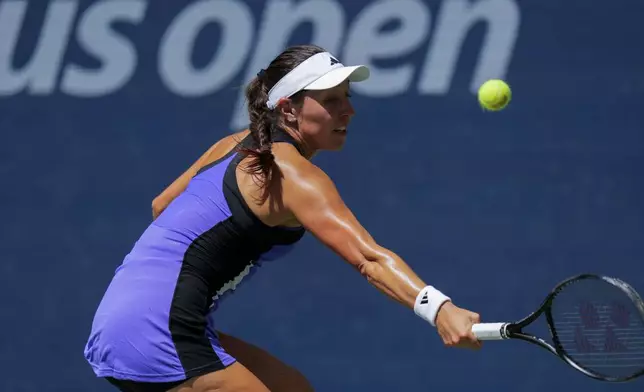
596,325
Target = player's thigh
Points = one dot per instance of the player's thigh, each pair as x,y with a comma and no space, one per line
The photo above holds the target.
255,371
234,378
275,374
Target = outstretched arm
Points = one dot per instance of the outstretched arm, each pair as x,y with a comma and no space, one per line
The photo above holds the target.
313,199
316,204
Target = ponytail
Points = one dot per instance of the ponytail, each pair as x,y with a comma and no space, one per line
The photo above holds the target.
262,122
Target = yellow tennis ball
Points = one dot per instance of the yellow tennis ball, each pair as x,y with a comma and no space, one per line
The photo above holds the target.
494,95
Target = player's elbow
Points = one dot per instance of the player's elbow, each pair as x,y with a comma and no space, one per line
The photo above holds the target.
158,205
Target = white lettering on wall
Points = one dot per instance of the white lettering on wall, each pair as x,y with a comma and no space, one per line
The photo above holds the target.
38,75
175,67
117,54
454,22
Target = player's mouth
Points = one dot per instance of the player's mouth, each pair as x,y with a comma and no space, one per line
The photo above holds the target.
342,130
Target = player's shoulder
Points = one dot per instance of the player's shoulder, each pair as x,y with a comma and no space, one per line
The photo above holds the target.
297,169
289,158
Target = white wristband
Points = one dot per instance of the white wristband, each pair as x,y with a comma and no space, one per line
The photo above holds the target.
428,302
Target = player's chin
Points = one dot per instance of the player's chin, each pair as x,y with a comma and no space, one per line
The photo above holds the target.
336,140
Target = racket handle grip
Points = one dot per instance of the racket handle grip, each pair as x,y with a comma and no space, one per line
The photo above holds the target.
489,331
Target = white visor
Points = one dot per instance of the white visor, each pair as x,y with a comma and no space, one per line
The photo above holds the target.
318,72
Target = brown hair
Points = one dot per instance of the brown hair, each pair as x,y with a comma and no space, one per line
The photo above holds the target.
263,120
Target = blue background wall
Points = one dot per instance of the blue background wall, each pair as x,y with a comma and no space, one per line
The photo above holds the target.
493,208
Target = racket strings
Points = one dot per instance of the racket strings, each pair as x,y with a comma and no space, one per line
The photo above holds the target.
600,328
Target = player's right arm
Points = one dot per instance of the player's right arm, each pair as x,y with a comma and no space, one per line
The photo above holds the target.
312,198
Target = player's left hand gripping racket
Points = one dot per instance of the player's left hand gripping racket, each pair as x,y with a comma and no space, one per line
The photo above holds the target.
596,325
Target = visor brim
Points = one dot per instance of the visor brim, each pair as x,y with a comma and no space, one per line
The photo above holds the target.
354,73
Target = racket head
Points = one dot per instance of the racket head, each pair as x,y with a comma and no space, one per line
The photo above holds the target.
597,326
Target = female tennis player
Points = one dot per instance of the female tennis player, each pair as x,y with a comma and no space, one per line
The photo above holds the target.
249,198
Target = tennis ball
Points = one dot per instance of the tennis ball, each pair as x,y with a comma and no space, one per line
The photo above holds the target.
494,95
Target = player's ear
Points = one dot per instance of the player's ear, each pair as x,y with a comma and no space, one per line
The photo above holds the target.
287,110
